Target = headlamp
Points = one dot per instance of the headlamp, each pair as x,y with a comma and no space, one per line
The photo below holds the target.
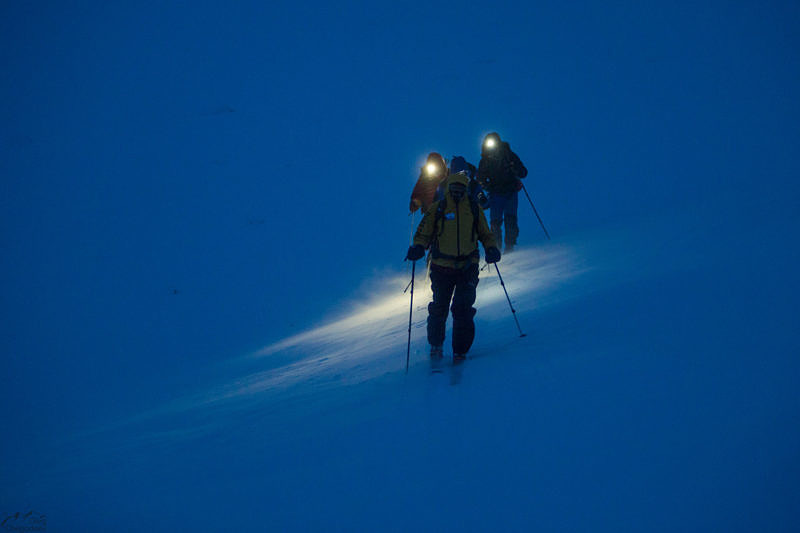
431,168
490,142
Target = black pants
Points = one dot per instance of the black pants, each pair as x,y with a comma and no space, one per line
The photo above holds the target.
504,208
458,285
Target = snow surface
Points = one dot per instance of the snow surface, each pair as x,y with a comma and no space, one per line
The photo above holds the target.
612,414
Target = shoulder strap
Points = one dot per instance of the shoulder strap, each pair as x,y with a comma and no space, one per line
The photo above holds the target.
475,210
440,207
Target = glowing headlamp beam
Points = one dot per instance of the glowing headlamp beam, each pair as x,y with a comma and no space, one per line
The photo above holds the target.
490,143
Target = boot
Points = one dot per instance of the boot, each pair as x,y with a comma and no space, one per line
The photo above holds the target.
436,352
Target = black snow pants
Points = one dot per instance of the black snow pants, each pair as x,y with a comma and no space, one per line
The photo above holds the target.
460,286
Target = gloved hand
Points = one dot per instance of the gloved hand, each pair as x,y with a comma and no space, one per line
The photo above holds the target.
417,252
518,185
483,201
492,255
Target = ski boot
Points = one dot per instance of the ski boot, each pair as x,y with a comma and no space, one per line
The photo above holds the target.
459,358
437,359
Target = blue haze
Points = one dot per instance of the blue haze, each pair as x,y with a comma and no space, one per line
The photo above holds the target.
182,184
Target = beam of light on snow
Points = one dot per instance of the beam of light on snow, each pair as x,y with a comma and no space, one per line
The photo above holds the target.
369,340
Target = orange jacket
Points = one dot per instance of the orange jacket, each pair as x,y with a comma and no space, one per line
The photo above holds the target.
424,192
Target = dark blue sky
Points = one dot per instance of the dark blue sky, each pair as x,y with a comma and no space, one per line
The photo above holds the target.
258,159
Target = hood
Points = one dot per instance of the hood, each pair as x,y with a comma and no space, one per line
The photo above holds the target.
437,159
498,145
458,177
458,164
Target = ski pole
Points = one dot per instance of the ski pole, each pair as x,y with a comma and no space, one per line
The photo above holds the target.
535,211
427,273
410,242
410,311
513,312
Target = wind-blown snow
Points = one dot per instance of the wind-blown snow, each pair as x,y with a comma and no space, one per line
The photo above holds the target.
370,339
370,331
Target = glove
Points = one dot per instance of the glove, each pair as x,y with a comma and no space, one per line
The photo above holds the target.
492,255
483,201
518,185
417,252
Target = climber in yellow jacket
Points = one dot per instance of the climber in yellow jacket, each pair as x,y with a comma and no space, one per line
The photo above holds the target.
452,228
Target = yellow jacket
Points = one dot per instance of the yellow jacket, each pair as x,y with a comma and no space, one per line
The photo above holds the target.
453,231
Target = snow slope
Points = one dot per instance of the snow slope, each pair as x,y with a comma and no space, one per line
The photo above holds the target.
202,215
643,399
